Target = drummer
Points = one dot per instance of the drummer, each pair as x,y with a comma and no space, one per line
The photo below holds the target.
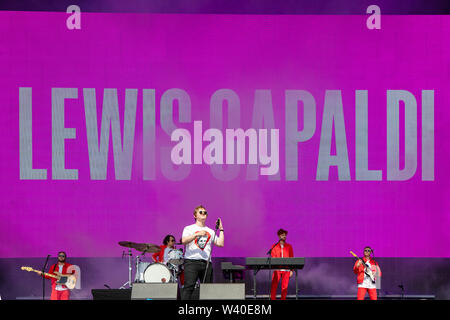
163,255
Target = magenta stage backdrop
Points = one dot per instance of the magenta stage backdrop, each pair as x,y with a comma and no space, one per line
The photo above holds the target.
338,93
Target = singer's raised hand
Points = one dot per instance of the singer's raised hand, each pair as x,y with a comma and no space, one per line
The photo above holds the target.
220,240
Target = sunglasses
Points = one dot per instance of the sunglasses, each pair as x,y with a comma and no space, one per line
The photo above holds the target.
62,256
367,250
203,212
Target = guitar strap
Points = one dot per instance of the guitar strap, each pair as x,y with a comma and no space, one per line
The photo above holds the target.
370,267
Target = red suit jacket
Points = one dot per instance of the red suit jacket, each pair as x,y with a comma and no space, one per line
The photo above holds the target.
359,271
159,256
286,252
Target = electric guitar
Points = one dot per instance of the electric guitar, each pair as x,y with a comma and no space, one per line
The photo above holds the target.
367,269
68,281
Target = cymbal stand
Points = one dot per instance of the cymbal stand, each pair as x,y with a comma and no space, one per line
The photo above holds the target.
137,277
173,276
173,270
129,283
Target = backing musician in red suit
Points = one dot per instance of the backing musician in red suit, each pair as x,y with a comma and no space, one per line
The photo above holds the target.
59,291
364,282
281,250
163,255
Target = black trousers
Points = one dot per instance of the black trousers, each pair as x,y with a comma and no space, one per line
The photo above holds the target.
195,270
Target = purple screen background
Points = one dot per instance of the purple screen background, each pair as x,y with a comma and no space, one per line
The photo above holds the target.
202,54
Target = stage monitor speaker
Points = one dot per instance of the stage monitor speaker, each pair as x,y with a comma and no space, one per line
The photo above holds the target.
154,291
111,294
222,291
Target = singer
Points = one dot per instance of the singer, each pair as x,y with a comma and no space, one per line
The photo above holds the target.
197,257
281,250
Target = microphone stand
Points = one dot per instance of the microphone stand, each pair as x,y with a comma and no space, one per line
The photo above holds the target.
403,290
210,254
43,277
270,264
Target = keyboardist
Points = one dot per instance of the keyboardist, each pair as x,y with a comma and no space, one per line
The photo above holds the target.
281,249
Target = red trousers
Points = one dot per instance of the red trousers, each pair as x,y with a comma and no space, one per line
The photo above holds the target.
276,276
362,293
60,295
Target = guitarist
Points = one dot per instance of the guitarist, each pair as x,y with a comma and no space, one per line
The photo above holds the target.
365,283
59,291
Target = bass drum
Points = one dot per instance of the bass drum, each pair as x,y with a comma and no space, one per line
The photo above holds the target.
157,273
141,267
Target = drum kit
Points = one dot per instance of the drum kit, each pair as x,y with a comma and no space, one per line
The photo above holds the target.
152,272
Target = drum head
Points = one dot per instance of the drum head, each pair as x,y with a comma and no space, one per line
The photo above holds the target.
157,273
176,257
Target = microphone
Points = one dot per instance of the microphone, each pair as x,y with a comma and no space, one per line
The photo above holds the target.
270,251
107,286
217,223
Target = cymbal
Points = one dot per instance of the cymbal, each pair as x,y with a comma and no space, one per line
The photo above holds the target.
127,244
147,247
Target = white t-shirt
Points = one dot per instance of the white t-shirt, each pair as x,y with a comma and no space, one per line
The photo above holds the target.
282,255
166,255
200,248
367,282
59,287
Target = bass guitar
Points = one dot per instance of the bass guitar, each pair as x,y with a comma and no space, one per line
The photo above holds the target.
367,269
68,281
